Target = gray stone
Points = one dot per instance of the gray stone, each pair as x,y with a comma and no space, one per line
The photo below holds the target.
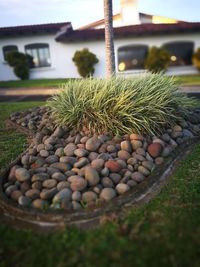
11,176
134,136
84,139
51,140
22,174
138,157
111,148
148,157
40,147
40,177
141,151
122,188
51,170
25,160
60,152
52,159
24,201
148,165
64,194
32,193
187,133
107,194
104,156
107,182
137,176
143,170
63,184
81,163
177,128
48,194
105,172
61,166
48,147
131,183
93,155
59,132
44,153
76,196
69,149
10,189
91,175
70,160
59,176
175,135
115,177
89,197
93,144
80,152
49,183
166,151
130,168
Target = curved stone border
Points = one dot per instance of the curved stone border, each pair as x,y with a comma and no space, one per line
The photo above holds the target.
18,216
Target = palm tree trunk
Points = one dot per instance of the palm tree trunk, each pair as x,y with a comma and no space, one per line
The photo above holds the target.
109,39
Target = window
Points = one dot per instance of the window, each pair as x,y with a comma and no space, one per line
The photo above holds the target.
7,49
181,53
132,57
40,54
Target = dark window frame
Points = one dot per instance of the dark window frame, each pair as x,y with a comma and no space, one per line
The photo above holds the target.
178,58
8,48
35,50
131,65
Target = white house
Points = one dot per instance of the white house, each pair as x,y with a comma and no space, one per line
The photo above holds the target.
53,45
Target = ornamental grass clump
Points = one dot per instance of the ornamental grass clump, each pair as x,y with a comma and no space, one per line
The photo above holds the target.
119,105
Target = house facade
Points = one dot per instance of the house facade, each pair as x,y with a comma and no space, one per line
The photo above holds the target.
52,46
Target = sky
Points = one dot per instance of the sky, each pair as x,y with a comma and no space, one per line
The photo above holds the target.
82,12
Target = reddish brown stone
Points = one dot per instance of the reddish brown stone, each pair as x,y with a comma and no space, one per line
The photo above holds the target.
113,166
154,149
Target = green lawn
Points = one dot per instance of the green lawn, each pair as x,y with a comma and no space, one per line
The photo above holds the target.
163,233
39,83
54,83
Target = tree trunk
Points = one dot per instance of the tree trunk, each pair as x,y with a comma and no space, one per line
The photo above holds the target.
109,40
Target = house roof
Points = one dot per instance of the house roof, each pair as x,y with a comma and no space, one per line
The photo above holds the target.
34,29
116,16
130,31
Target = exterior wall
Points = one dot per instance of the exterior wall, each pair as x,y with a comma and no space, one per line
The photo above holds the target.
58,53
62,53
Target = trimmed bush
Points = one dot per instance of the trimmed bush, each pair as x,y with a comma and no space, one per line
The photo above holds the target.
196,58
85,61
119,105
21,63
157,60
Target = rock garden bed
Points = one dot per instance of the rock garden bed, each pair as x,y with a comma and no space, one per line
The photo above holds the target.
79,175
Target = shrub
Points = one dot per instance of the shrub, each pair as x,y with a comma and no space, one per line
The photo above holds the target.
157,59
85,61
119,105
20,62
196,58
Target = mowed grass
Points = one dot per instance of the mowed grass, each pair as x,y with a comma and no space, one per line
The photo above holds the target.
38,83
55,83
165,232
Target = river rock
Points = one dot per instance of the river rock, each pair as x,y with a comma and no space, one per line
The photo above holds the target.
126,145
48,194
24,201
61,166
143,170
40,177
92,176
124,155
40,204
69,149
32,193
22,174
107,182
49,183
63,184
81,162
122,188
80,152
58,176
92,144
44,153
76,196
107,194
137,176
78,184
115,177
64,194
154,149
89,197
113,166
98,164
15,195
